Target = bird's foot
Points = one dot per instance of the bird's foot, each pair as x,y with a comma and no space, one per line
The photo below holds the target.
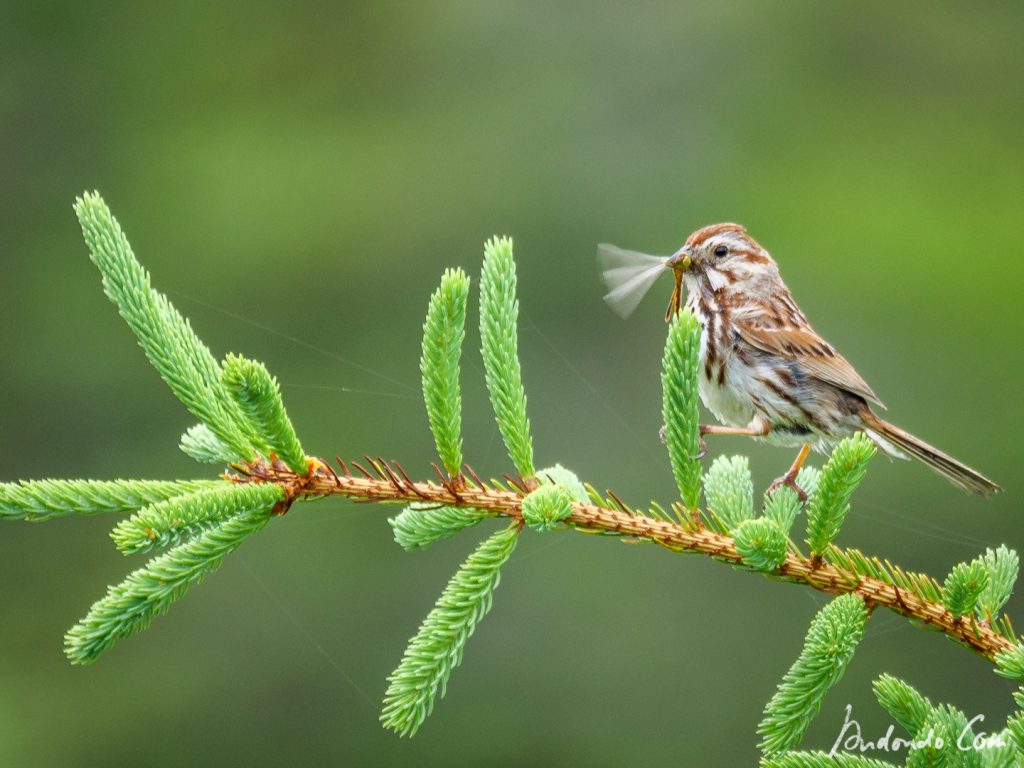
788,480
702,447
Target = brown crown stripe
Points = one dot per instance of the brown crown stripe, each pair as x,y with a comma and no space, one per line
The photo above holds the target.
704,233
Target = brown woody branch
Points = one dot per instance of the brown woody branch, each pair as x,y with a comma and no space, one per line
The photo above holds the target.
380,480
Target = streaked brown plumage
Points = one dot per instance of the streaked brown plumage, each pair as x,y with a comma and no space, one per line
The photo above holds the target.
766,373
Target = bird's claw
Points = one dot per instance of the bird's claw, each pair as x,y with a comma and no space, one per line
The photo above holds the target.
702,446
788,481
702,430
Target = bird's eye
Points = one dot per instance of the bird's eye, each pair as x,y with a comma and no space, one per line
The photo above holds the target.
721,250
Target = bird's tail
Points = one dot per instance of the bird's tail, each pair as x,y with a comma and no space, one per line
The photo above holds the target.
957,473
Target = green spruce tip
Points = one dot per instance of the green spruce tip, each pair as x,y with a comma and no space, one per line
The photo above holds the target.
761,543
546,506
151,590
559,475
420,525
444,330
902,701
822,760
170,344
807,478
964,586
830,643
729,490
499,314
38,500
679,404
168,522
939,740
1015,727
259,397
199,443
1002,566
438,646
1002,751
1010,663
840,477
782,506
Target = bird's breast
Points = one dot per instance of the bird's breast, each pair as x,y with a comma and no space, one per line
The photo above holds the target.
717,377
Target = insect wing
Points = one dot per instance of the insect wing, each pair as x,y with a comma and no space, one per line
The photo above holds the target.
629,275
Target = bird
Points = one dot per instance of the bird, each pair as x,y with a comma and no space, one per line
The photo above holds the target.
764,372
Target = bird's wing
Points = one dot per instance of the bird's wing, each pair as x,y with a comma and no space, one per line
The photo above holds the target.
818,358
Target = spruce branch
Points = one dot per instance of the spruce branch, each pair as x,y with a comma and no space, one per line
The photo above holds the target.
921,585
828,648
839,479
679,405
839,573
443,333
259,398
182,517
151,590
38,500
243,423
437,647
181,359
499,313
940,735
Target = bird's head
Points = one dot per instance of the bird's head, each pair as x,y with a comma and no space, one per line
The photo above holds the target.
719,256
720,253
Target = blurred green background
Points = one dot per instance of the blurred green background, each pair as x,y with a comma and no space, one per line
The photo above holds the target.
297,177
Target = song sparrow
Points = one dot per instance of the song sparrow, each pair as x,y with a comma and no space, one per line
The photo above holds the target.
765,372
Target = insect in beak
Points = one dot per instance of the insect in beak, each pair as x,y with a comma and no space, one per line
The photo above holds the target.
678,263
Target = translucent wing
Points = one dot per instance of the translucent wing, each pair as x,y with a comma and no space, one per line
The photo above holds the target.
628,275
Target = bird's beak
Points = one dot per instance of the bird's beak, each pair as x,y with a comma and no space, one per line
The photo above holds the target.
680,260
